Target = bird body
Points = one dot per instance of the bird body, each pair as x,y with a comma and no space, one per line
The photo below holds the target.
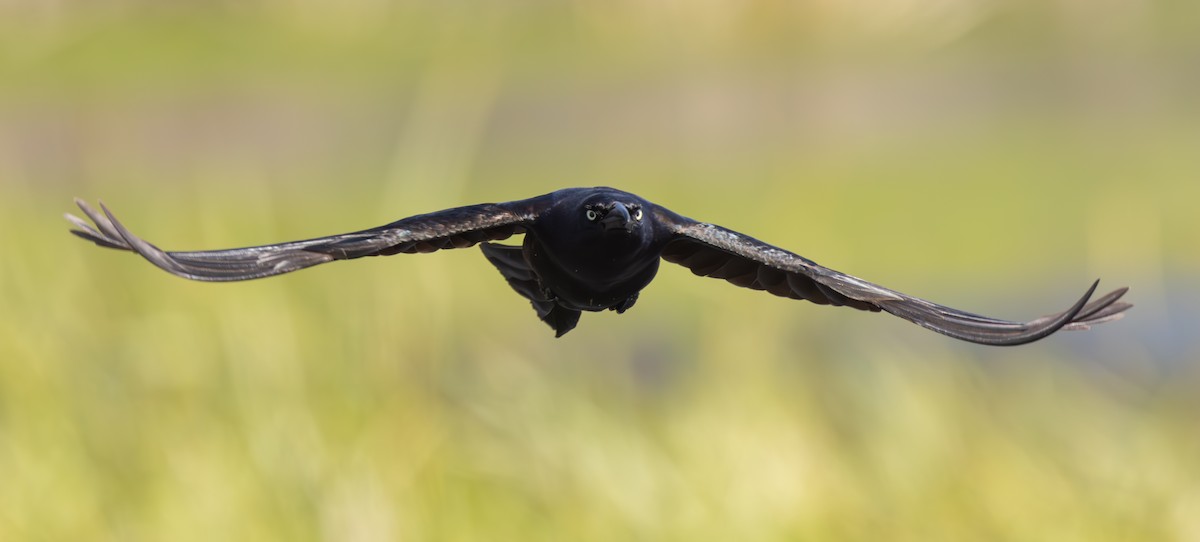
595,249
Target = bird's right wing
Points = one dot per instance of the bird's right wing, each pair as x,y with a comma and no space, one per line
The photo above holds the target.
712,251
511,262
460,227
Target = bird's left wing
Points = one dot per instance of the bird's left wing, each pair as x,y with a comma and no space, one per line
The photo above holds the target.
460,227
713,251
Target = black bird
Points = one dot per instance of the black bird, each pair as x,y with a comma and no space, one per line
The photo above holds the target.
591,249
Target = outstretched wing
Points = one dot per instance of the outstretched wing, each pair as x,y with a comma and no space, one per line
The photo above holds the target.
713,251
452,228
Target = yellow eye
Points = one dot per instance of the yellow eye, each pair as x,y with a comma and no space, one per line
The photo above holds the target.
591,215
637,215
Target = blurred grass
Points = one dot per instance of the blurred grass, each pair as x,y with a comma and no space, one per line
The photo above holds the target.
990,156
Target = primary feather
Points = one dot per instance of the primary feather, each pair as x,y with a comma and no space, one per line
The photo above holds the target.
594,249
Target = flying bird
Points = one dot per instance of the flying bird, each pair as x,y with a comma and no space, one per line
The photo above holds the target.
595,249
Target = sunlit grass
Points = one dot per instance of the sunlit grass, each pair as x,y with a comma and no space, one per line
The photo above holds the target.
420,398
417,398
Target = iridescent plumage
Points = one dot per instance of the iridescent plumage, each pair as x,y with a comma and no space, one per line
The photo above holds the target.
594,249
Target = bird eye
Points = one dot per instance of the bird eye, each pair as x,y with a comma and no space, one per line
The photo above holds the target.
591,215
637,215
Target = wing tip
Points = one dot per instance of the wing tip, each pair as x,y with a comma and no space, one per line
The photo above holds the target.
110,233
1082,315
99,231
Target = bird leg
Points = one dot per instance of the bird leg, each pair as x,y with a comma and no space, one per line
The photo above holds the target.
625,304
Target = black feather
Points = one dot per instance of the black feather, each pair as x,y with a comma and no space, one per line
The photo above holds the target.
591,249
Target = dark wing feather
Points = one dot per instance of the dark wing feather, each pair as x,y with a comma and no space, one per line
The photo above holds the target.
713,251
452,228
511,263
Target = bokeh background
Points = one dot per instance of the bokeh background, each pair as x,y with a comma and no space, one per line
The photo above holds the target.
994,155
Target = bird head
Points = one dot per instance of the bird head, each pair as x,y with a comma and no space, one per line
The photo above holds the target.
614,217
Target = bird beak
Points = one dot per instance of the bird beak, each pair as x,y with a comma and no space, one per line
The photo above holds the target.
617,218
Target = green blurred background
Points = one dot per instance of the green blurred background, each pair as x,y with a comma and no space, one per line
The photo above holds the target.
991,155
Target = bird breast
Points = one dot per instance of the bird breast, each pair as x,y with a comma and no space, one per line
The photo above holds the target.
591,276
